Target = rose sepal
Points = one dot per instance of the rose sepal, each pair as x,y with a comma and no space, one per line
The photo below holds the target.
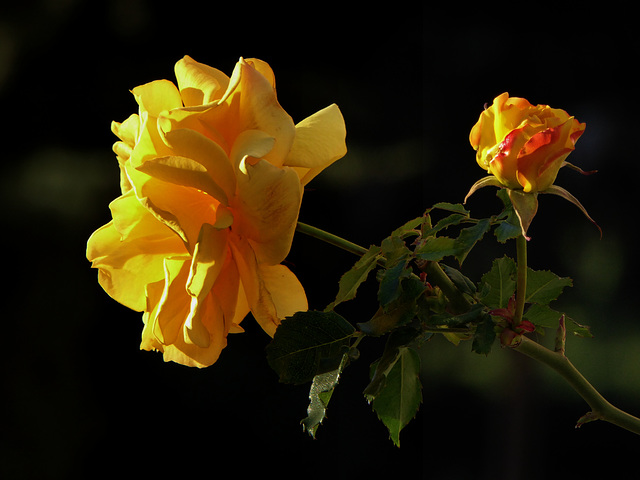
561,192
524,204
488,181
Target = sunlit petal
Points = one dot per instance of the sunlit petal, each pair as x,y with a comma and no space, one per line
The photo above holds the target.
252,104
199,84
157,96
267,206
129,252
319,141
272,292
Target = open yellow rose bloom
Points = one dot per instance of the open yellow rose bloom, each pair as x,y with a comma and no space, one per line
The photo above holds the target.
212,177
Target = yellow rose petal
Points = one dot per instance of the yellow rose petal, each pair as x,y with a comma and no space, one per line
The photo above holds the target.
185,172
157,96
183,209
319,141
132,220
266,208
251,143
199,84
208,259
258,298
192,144
285,290
130,258
173,308
252,104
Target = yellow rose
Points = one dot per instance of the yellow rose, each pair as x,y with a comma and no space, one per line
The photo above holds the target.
523,145
212,176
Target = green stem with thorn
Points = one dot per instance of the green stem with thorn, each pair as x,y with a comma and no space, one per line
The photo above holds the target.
601,409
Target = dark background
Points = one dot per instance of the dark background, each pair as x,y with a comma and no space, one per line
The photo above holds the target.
80,400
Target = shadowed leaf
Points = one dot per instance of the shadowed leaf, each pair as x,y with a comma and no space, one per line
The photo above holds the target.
399,399
309,344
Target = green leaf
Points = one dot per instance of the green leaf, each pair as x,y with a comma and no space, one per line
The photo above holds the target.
462,283
410,228
507,230
484,335
399,399
351,280
544,286
394,248
469,237
451,207
472,317
436,248
542,316
499,283
319,395
397,313
451,220
397,339
509,226
390,281
309,344
578,329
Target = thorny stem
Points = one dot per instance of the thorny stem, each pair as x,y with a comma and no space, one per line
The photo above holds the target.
601,409
436,275
433,269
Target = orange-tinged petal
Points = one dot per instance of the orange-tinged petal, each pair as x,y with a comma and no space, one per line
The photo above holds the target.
199,84
173,307
264,69
183,209
503,160
209,120
252,105
319,141
196,146
187,331
285,290
543,155
266,208
185,172
272,292
209,256
241,311
167,320
251,143
230,294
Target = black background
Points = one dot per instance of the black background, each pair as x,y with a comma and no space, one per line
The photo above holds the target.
79,400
